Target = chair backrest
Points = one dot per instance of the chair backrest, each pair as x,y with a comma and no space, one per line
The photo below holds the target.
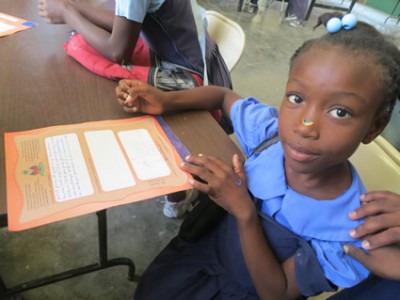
228,35
378,164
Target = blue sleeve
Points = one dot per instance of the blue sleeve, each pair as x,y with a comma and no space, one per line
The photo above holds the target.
136,10
341,269
253,122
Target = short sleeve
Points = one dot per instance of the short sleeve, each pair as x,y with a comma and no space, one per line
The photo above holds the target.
339,268
253,122
136,10
310,277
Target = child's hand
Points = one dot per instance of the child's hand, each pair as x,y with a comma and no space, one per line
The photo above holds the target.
226,185
384,262
382,224
52,10
138,96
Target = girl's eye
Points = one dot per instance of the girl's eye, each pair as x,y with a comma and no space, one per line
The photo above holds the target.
295,99
340,113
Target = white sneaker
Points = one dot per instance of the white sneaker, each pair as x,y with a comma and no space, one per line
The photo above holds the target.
176,210
295,23
252,8
291,18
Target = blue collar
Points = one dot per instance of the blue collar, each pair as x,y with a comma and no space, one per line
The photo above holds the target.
310,218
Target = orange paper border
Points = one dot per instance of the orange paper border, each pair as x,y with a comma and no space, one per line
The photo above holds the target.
15,200
14,21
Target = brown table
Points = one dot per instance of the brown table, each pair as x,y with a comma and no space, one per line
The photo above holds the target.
41,86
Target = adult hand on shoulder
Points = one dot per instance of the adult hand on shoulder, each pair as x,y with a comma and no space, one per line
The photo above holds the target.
382,224
52,10
138,96
384,262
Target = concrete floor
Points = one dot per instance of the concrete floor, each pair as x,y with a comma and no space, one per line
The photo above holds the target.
139,231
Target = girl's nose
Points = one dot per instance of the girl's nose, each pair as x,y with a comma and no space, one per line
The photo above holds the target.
307,128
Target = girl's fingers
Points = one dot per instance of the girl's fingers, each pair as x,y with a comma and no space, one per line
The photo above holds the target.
198,169
129,109
214,176
238,167
212,164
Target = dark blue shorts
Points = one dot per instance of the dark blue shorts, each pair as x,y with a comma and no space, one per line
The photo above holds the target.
372,288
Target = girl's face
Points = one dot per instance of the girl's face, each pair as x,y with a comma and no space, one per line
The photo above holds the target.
330,106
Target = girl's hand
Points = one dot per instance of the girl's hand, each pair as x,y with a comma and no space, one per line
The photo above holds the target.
384,262
382,224
138,96
226,185
52,10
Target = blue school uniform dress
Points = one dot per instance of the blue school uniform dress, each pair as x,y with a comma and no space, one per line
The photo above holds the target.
169,28
313,231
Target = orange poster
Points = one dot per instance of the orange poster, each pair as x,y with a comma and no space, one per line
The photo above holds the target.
60,172
10,24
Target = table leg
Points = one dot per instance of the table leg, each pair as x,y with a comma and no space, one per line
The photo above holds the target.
240,5
103,263
309,10
333,7
103,248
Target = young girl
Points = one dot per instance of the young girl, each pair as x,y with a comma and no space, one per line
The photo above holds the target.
287,207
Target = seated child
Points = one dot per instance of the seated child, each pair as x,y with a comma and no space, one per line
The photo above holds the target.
288,205
156,41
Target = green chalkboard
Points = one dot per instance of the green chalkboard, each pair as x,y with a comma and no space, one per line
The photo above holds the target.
386,6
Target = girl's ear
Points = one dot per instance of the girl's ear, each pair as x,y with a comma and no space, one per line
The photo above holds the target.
376,128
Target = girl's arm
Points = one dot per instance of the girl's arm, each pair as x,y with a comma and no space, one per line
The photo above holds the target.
271,279
227,186
138,96
114,37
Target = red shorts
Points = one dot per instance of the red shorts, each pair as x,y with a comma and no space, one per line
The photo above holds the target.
145,66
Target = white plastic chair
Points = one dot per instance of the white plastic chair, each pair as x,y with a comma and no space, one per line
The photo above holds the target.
378,164
228,35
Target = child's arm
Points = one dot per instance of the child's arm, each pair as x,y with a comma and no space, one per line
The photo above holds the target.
381,232
114,37
138,96
227,186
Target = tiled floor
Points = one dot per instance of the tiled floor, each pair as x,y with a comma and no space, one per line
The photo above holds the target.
140,230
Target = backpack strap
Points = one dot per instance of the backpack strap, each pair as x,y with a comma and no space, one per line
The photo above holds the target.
199,14
265,144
